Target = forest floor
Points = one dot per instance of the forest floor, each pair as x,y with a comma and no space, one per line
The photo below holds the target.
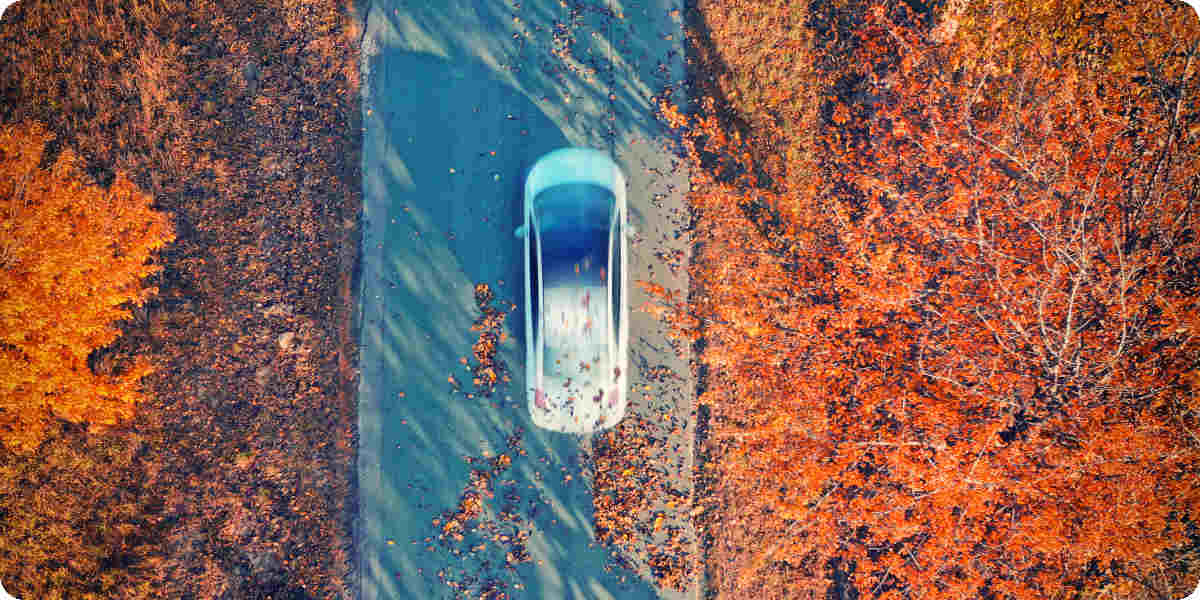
237,480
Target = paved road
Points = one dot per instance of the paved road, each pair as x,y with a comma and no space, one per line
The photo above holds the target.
460,96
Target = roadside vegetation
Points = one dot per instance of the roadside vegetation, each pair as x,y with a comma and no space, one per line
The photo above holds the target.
191,170
68,247
945,297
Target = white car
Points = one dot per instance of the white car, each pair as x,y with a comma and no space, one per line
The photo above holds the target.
576,298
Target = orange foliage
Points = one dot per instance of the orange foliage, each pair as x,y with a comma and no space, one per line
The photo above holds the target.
964,359
71,255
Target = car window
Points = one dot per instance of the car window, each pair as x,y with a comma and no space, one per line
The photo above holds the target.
535,268
615,270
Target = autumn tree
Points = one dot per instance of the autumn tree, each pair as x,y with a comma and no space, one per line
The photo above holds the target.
1028,220
966,361
72,259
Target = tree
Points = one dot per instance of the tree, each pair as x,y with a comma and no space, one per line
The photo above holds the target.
72,256
967,363
1030,214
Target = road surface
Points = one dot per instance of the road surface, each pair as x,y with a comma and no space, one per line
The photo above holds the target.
459,98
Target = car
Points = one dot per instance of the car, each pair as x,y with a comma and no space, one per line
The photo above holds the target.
576,297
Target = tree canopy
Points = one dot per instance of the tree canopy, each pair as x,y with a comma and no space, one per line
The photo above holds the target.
962,358
72,259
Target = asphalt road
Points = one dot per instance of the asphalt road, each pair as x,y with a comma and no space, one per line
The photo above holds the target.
460,97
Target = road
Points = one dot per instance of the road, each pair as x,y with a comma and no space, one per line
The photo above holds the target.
459,98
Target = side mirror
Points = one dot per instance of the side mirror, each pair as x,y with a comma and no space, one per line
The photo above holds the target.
520,231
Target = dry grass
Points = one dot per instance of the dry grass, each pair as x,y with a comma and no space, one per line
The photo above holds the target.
238,477
757,59
1171,576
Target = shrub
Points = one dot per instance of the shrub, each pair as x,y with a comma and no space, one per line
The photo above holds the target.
72,255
